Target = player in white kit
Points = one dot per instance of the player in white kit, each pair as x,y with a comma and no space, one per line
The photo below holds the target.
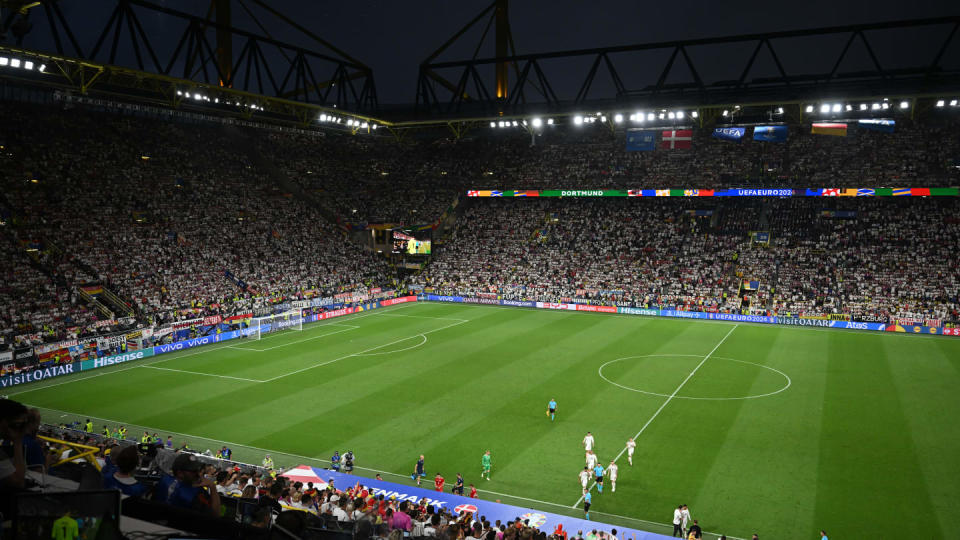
631,446
612,473
591,459
588,441
584,477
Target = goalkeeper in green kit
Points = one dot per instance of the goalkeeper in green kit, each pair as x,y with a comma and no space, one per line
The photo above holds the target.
487,462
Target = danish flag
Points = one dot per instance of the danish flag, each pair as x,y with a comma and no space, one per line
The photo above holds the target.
674,139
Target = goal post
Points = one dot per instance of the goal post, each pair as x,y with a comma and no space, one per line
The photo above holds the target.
261,327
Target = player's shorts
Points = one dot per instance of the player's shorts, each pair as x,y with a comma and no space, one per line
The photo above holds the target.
613,478
586,507
552,411
348,468
584,484
630,451
599,479
486,468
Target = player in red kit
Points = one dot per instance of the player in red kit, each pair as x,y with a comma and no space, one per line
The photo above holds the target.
473,492
438,482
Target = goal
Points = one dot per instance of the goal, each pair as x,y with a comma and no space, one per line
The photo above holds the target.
260,327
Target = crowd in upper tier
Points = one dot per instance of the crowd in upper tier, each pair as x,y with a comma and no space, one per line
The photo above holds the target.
157,212
887,258
375,181
182,219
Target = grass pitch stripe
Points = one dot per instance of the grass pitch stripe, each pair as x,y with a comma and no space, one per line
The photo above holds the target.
365,351
669,399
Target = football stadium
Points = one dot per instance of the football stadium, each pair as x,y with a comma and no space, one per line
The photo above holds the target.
702,285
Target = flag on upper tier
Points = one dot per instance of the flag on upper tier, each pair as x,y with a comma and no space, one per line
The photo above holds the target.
473,193
496,193
639,140
865,192
770,133
875,124
677,139
824,128
729,133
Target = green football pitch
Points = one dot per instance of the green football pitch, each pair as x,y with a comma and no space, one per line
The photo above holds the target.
776,430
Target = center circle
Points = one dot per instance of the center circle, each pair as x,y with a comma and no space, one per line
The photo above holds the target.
680,357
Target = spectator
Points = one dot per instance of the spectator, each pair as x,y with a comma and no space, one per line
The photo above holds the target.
186,489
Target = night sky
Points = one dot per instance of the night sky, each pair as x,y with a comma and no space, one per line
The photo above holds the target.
393,37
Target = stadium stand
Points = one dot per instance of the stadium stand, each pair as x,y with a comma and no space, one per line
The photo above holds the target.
158,212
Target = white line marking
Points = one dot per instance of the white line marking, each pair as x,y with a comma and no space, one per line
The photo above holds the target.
321,460
755,396
203,349
422,317
669,399
361,353
204,374
294,342
422,343
111,372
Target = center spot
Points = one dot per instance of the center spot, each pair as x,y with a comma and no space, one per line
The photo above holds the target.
718,378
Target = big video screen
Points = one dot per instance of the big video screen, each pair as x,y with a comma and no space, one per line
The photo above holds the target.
408,244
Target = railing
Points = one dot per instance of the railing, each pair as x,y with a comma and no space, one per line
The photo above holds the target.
102,309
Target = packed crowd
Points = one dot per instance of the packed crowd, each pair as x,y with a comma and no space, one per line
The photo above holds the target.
368,180
160,212
157,212
887,258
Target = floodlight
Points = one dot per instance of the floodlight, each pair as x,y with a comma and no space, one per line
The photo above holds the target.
679,114
28,65
578,120
824,108
726,112
695,114
15,62
809,108
618,118
537,122
42,68
493,124
836,107
863,106
940,103
953,103
650,116
549,121
671,115
875,107
904,105
4,61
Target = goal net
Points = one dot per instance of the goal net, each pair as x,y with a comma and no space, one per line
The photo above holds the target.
260,327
